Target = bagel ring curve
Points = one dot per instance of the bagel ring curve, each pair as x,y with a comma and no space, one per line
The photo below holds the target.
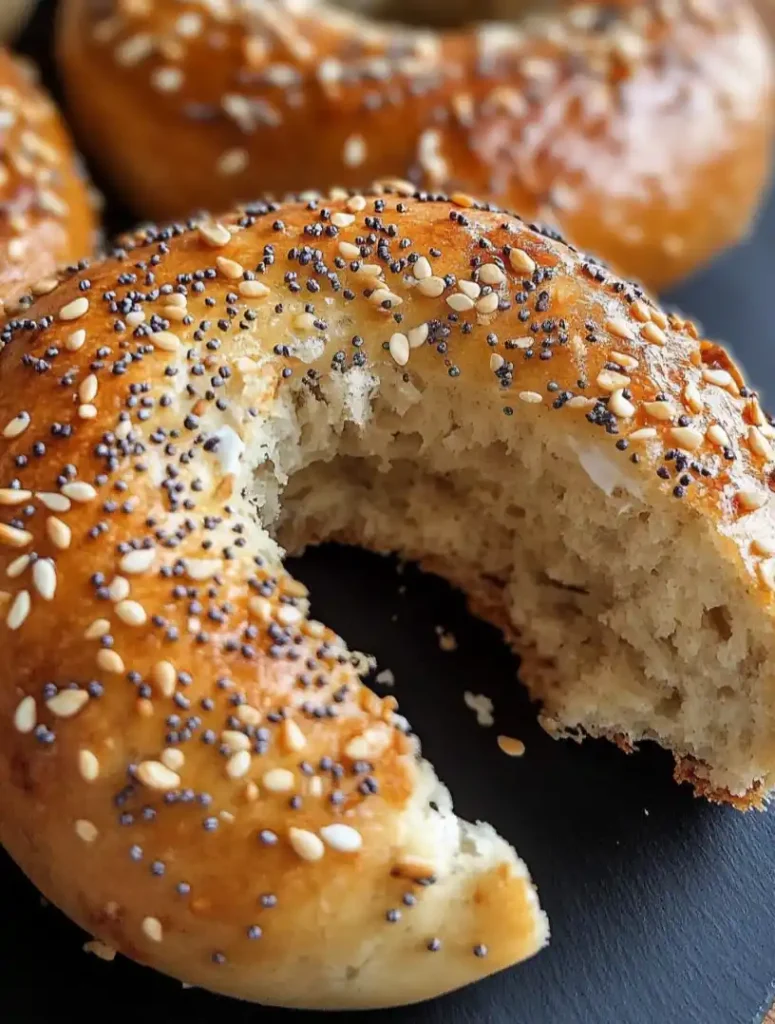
190,766
47,207
643,129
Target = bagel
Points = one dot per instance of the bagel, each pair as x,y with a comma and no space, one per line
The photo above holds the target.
47,210
644,130
181,746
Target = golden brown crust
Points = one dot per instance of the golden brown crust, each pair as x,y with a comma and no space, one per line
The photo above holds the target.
47,212
152,641
643,130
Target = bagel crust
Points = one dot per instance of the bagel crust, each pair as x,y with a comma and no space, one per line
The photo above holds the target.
47,214
643,129
190,766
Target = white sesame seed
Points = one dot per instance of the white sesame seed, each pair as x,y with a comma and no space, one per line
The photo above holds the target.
19,610
759,444
342,220
342,838
87,392
75,340
531,397
491,274
766,572
248,714
202,568
610,380
236,740
621,406
293,738
643,434
87,412
470,288
131,613
97,629
687,438
718,436
45,286
173,758
18,566
418,336
521,262
165,340
17,425
369,270
137,562
215,235
382,295
156,775
168,79
432,287
12,537
721,378
580,402
75,309
354,152
459,302
44,577
628,362
496,362
232,162
229,268
79,491
662,411
315,786
306,844
26,715
751,500
653,334
86,830
370,744
67,703
58,533
54,502
399,349
261,607
152,929
88,765
110,661
11,496
488,303
422,269
278,780
620,328
119,588
253,289
349,251
238,764
640,311
693,398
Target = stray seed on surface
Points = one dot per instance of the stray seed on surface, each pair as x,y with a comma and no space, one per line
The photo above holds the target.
643,434
432,287
531,397
422,269
75,340
721,378
342,220
491,274
165,677
488,304
620,328
9,496
460,303
718,436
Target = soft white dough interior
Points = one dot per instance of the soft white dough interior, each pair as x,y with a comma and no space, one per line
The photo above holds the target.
633,621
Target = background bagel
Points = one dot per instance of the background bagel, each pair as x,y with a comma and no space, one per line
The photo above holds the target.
644,131
189,765
47,211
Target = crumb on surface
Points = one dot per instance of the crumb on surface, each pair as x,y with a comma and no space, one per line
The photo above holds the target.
481,705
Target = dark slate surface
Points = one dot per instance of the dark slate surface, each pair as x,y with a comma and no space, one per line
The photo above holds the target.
663,908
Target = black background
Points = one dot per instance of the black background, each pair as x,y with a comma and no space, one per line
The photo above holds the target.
662,907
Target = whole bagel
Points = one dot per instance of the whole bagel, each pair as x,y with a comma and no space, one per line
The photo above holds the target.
47,211
643,129
190,765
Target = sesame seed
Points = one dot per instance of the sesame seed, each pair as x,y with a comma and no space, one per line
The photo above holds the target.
721,378
87,412
235,740
232,161
44,577
399,349
355,204
238,764
12,537
531,397
79,491
718,436
521,262
131,613
418,336
75,309
152,929
75,340
654,334
54,502
510,746
759,445
751,500
18,566
354,152
620,328
86,830
230,269
26,715
293,738
371,744
643,434
9,496
253,289
621,406
342,838
342,220
460,303
432,287
97,629
156,775
610,380
692,397
166,341
88,765
384,297
687,438
200,569
488,304
492,274
306,844
19,610
349,251
640,311
422,269
660,410
119,589
17,425
109,661
87,392
766,572
137,562
67,703
165,677
215,235
278,780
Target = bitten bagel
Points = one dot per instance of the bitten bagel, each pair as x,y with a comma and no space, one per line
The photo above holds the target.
47,213
189,764
643,129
